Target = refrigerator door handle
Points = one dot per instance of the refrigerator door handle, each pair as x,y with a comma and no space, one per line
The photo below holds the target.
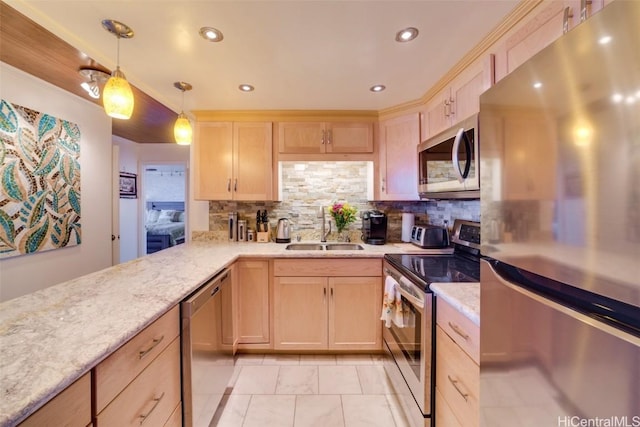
563,308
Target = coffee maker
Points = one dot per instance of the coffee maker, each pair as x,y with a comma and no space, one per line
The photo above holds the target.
374,227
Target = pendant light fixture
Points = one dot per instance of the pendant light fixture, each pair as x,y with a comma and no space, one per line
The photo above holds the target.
117,96
182,128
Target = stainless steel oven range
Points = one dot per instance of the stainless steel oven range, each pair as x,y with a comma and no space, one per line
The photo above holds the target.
410,341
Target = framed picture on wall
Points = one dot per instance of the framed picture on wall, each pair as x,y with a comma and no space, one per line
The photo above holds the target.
128,185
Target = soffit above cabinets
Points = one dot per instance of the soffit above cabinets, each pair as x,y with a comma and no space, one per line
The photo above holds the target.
31,48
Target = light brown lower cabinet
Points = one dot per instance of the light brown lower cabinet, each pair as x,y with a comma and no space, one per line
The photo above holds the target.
313,312
457,373
253,303
151,397
71,408
139,384
444,414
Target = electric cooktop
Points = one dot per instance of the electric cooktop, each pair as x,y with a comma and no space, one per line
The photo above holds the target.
461,266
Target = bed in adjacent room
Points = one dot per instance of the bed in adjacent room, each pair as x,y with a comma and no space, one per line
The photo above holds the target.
165,225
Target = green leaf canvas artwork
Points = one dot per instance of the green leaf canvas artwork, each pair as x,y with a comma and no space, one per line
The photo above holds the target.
39,181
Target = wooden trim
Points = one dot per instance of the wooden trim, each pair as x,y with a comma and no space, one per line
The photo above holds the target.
518,14
326,157
286,115
31,48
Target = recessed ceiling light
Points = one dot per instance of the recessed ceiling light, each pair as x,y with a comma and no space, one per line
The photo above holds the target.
537,85
211,34
246,88
406,35
377,88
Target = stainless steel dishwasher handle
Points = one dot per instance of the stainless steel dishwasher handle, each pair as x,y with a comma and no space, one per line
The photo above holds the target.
205,292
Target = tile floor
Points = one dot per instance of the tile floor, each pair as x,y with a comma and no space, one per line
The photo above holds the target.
310,390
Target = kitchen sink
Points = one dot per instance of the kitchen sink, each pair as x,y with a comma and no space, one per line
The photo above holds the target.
344,247
304,247
328,246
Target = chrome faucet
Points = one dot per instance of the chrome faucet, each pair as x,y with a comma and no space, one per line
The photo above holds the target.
323,234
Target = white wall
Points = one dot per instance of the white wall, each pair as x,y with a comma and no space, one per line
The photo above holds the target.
168,185
27,273
133,157
129,221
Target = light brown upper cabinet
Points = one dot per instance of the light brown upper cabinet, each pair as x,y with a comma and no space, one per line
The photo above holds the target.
459,100
325,137
233,161
398,162
542,27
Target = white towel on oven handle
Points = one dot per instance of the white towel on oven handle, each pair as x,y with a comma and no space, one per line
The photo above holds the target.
391,303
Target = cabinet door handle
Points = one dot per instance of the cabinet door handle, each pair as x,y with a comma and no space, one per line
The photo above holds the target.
229,185
458,330
331,293
455,385
565,19
322,138
329,136
324,290
446,108
143,417
154,344
583,9
452,112
383,182
235,185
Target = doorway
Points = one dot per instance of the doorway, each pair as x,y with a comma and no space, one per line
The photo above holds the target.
164,187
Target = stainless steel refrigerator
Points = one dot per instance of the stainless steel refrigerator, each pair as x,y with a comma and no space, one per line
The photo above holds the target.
560,196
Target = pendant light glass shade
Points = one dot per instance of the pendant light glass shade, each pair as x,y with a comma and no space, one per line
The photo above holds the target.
182,130
117,96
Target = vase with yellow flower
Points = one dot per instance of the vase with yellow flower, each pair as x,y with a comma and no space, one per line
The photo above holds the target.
343,214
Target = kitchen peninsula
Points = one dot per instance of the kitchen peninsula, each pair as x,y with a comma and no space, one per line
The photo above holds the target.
50,338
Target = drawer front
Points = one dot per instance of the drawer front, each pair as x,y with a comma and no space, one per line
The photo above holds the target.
458,379
71,408
151,398
119,369
175,420
462,330
444,413
362,267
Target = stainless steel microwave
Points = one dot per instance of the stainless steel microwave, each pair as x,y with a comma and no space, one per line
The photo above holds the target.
448,163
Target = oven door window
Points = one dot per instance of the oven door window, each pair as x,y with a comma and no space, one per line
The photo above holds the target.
409,338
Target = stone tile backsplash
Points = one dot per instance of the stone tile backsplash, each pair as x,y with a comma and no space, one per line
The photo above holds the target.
306,186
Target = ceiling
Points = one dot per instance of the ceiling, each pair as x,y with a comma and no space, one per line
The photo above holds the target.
299,54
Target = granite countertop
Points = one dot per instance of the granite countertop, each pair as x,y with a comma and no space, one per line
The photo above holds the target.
50,338
464,297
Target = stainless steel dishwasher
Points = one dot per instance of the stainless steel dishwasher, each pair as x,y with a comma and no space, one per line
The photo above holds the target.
207,349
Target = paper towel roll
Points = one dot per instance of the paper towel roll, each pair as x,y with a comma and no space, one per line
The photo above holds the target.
407,222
